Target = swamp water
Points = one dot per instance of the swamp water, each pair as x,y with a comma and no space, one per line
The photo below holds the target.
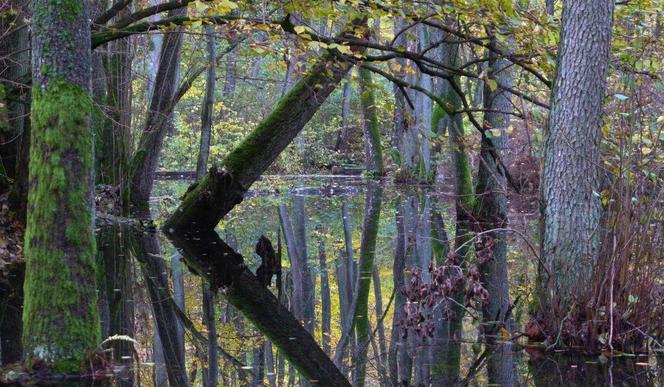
162,306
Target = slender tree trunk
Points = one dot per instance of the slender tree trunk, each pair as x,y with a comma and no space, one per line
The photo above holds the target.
550,7
400,361
60,289
11,302
116,281
570,178
208,104
372,147
491,215
326,302
15,131
382,345
344,134
144,164
148,251
114,142
366,266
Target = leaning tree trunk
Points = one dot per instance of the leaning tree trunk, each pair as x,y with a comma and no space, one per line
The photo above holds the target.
209,199
60,317
570,178
144,164
207,255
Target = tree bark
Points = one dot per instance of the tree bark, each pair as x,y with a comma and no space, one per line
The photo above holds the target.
208,104
326,301
144,164
570,177
366,266
60,289
148,251
491,215
372,148
209,199
207,255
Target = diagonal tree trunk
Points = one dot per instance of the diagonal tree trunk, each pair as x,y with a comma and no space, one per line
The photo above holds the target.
209,199
144,164
211,258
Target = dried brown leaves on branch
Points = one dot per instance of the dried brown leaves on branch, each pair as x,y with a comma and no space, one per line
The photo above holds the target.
439,290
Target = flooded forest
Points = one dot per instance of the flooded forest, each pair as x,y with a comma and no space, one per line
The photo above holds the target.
334,193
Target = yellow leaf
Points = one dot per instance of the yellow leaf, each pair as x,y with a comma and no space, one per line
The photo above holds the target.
299,29
493,85
645,150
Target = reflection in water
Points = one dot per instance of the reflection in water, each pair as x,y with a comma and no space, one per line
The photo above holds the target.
204,317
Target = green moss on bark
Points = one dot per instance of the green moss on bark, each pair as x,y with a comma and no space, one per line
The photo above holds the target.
60,317
374,152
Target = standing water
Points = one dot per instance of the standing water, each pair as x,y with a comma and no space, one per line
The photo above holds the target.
329,281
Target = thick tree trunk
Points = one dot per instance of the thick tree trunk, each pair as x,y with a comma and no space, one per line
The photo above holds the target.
372,148
208,104
144,164
60,290
570,178
209,199
207,255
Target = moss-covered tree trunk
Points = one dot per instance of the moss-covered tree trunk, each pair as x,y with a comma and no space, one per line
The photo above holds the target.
60,316
366,267
372,147
447,355
224,186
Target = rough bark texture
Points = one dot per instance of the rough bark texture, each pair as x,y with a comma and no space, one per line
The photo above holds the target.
212,197
144,164
372,148
570,178
60,290
207,255
208,103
